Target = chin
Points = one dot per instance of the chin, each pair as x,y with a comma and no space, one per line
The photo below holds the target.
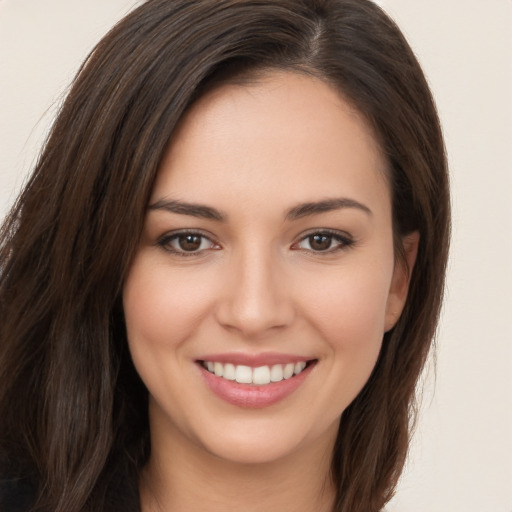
267,442
250,452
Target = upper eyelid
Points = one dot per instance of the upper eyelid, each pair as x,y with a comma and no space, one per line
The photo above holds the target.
345,240
164,241
341,235
325,231
178,232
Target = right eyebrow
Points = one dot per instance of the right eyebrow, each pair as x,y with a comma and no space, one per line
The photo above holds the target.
327,205
192,209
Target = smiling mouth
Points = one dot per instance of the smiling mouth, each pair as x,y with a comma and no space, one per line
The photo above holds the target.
259,376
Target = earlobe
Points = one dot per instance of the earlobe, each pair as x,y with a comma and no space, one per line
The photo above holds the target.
401,279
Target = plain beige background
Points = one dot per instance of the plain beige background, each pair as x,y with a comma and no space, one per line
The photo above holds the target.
461,460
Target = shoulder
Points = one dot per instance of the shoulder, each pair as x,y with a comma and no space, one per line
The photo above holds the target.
16,495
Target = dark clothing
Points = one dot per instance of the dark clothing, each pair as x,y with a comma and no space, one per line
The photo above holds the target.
16,495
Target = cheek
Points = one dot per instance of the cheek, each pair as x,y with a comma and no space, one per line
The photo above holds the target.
346,310
349,310
162,307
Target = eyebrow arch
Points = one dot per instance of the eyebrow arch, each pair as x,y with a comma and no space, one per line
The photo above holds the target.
194,210
327,205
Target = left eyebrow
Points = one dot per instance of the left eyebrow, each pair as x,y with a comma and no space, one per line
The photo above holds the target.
192,209
327,205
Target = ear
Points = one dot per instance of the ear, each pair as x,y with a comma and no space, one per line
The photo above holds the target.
401,279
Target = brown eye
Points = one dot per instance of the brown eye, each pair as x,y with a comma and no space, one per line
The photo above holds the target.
189,243
324,242
320,242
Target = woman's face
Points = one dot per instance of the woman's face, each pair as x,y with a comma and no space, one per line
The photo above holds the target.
267,247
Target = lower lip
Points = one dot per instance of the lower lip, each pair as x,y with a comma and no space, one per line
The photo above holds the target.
251,396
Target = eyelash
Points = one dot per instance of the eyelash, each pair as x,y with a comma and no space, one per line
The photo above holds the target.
344,241
165,243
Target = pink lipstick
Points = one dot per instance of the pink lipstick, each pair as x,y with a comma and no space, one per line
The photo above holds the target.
254,381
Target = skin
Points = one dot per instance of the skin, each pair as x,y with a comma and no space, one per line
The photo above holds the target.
258,284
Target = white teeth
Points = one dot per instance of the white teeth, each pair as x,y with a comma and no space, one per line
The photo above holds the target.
299,367
258,376
288,370
261,376
218,368
243,374
276,373
229,372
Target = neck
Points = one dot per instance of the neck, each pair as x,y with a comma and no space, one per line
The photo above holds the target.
181,476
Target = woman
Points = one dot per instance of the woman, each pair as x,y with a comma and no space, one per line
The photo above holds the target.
223,278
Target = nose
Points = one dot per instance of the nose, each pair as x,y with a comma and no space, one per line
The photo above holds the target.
255,299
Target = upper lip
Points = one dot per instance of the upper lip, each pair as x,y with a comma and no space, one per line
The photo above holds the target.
255,360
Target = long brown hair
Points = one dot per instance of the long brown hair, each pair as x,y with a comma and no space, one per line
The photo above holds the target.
73,412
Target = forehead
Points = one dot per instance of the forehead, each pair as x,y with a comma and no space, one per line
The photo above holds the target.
286,132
